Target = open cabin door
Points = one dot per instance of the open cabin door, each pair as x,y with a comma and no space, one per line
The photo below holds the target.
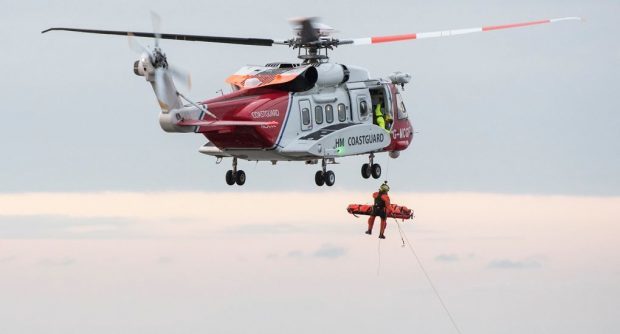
382,93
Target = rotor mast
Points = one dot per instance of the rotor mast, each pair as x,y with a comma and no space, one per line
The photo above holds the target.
313,40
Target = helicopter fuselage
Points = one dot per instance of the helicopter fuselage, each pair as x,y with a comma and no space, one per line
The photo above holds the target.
312,111
330,120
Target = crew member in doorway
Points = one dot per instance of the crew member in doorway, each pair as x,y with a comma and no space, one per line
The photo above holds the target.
381,208
379,117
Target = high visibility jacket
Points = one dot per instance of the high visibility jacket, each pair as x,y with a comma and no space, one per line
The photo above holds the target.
379,118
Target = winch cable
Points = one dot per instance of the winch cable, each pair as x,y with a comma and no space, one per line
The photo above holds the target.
387,169
379,254
428,278
400,231
405,240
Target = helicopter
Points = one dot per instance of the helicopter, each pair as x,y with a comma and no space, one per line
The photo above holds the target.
308,111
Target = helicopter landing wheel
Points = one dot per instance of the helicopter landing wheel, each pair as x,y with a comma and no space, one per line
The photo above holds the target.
240,177
376,171
235,176
230,177
330,178
319,178
366,171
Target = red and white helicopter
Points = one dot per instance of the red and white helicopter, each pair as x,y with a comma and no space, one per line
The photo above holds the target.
310,111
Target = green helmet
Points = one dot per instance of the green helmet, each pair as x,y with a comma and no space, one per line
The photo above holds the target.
384,187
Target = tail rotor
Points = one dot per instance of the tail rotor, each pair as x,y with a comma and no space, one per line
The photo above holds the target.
154,66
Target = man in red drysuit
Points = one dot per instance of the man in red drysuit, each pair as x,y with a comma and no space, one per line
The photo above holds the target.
381,208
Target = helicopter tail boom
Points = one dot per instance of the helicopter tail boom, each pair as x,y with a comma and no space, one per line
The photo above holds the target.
154,68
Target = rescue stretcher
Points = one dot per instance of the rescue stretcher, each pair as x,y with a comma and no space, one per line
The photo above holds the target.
397,211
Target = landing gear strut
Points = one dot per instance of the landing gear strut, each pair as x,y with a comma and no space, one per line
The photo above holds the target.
324,176
371,168
235,176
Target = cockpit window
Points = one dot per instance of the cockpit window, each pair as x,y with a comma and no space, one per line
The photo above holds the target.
402,111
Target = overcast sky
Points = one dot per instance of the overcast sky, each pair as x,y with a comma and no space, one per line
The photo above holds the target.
529,110
110,225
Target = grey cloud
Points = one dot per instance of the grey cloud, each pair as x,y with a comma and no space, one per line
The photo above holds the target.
7,259
295,254
60,227
264,229
512,264
447,258
329,251
53,262
326,251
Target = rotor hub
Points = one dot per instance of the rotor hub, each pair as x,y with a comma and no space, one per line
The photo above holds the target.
158,58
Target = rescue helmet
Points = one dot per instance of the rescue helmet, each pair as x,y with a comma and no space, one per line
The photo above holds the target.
384,188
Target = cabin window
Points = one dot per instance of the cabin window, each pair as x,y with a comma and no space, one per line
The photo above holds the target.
318,114
363,109
402,111
305,116
329,113
342,112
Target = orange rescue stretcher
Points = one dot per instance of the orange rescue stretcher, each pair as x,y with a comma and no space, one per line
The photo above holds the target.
397,211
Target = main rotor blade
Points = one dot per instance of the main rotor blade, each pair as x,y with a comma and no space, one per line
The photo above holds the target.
135,45
156,21
179,37
447,33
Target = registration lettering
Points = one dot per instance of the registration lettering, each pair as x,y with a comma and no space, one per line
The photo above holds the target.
402,133
265,113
